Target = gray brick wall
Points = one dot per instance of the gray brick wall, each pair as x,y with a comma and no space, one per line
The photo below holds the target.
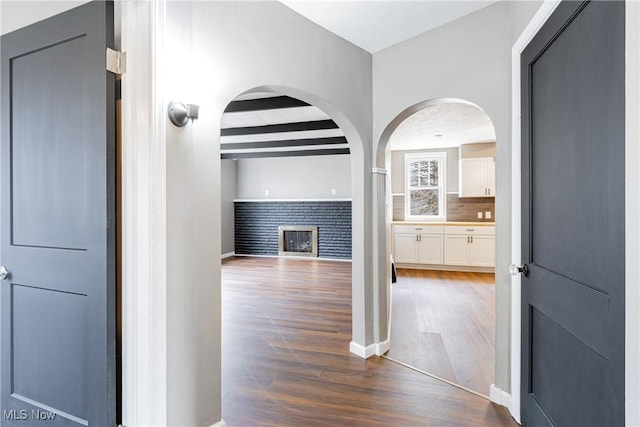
256,226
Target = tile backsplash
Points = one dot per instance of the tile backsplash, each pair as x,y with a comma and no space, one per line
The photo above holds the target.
458,209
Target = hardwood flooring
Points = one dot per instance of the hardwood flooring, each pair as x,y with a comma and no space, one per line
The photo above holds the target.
443,323
286,359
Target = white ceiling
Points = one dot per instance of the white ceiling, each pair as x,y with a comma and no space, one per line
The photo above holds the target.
458,123
377,24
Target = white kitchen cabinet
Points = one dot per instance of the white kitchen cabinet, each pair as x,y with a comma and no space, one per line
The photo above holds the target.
418,244
405,247
477,177
469,246
430,248
456,251
482,251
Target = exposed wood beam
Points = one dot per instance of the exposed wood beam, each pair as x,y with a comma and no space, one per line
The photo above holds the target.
264,104
300,153
285,143
285,127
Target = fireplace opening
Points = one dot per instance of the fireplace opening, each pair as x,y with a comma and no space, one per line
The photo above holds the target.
296,240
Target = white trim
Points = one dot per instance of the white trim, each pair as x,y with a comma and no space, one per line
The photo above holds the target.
382,347
632,214
499,396
376,349
538,20
227,255
359,350
379,171
337,199
144,364
220,423
293,257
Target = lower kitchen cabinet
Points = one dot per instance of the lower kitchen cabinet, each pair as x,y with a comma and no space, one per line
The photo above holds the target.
469,246
414,244
482,251
455,246
456,250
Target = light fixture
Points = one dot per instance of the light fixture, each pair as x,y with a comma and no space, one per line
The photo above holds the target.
180,113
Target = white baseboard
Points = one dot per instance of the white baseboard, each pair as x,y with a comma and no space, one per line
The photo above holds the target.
376,349
219,424
499,396
228,255
308,258
359,350
382,347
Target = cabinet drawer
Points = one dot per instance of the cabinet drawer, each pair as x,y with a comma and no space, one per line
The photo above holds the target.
470,231
418,229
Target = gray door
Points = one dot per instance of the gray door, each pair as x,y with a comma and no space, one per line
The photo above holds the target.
57,165
573,107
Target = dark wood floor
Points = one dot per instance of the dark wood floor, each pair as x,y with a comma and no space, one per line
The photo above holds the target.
286,360
443,323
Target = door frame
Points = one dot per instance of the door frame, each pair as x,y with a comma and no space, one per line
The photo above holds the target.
141,26
632,207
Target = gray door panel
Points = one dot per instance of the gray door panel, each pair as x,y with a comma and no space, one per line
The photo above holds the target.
573,138
57,159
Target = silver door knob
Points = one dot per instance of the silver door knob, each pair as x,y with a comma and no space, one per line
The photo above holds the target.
4,273
519,269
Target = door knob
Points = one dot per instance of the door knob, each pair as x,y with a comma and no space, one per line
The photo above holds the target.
519,269
4,273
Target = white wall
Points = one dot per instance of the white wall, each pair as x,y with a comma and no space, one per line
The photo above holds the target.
229,192
214,52
312,177
18,14
467,59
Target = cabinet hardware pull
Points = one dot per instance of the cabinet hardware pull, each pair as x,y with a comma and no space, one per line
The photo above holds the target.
471,239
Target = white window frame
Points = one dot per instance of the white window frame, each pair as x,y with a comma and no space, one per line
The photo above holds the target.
441,157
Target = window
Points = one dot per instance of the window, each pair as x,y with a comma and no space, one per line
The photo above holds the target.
425,195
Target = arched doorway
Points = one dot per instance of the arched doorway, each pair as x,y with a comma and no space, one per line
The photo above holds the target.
436,153
285,164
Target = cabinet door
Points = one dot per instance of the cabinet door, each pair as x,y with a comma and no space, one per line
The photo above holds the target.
473,178
405,247
430,248
455,249
482,251
491,177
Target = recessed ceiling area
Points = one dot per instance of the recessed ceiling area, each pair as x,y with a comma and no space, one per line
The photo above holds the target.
443,126
376,25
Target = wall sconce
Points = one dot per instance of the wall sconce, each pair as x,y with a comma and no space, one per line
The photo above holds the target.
180,113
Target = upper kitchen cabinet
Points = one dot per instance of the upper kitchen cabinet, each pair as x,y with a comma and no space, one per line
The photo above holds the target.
477,177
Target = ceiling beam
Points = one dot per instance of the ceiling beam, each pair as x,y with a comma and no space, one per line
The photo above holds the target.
273,103
285,153
284,127
285,143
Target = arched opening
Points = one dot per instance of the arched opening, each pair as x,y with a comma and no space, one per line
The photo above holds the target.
288,176
439,205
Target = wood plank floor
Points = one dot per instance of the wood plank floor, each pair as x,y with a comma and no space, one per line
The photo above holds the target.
286,359
443,323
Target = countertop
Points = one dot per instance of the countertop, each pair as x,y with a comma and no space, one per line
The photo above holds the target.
446,223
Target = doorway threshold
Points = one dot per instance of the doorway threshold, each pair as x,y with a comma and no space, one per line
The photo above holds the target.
436,377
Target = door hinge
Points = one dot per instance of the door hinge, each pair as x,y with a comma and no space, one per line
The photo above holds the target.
116,61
